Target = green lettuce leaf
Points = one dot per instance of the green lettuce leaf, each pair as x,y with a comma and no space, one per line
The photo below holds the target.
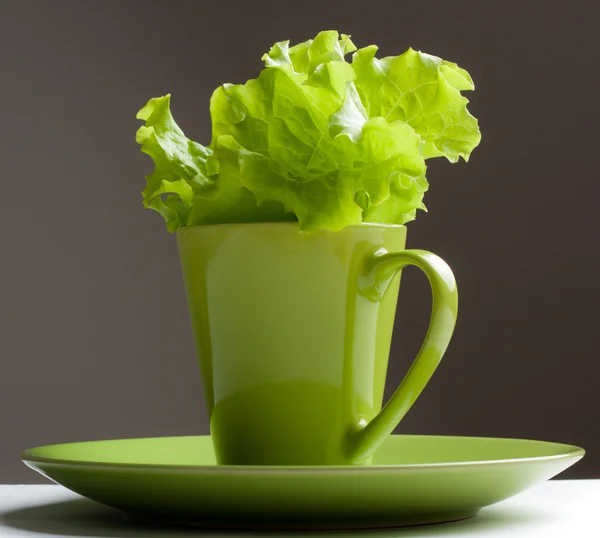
314,138
423,91
181,166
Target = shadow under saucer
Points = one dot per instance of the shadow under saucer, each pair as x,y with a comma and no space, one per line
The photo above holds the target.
85,518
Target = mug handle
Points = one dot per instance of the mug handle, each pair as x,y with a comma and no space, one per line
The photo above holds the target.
378,271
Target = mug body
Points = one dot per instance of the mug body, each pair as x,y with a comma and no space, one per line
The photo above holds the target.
293,356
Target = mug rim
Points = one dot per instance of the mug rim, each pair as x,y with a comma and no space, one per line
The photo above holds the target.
289,224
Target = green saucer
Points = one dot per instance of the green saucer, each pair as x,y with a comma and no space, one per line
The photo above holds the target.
415,480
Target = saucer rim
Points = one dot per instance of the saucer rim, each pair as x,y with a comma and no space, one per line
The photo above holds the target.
568,452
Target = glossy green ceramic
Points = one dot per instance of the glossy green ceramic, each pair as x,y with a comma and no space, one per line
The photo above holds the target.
293,334
414,480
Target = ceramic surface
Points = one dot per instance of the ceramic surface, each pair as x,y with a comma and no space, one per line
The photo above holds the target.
414,480
293,334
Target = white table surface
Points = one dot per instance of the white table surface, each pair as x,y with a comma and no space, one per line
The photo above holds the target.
560,508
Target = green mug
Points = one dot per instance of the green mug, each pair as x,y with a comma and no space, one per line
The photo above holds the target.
293,334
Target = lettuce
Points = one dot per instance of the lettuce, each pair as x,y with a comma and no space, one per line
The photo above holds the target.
314,138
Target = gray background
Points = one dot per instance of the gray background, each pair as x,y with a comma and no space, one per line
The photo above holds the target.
94,335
